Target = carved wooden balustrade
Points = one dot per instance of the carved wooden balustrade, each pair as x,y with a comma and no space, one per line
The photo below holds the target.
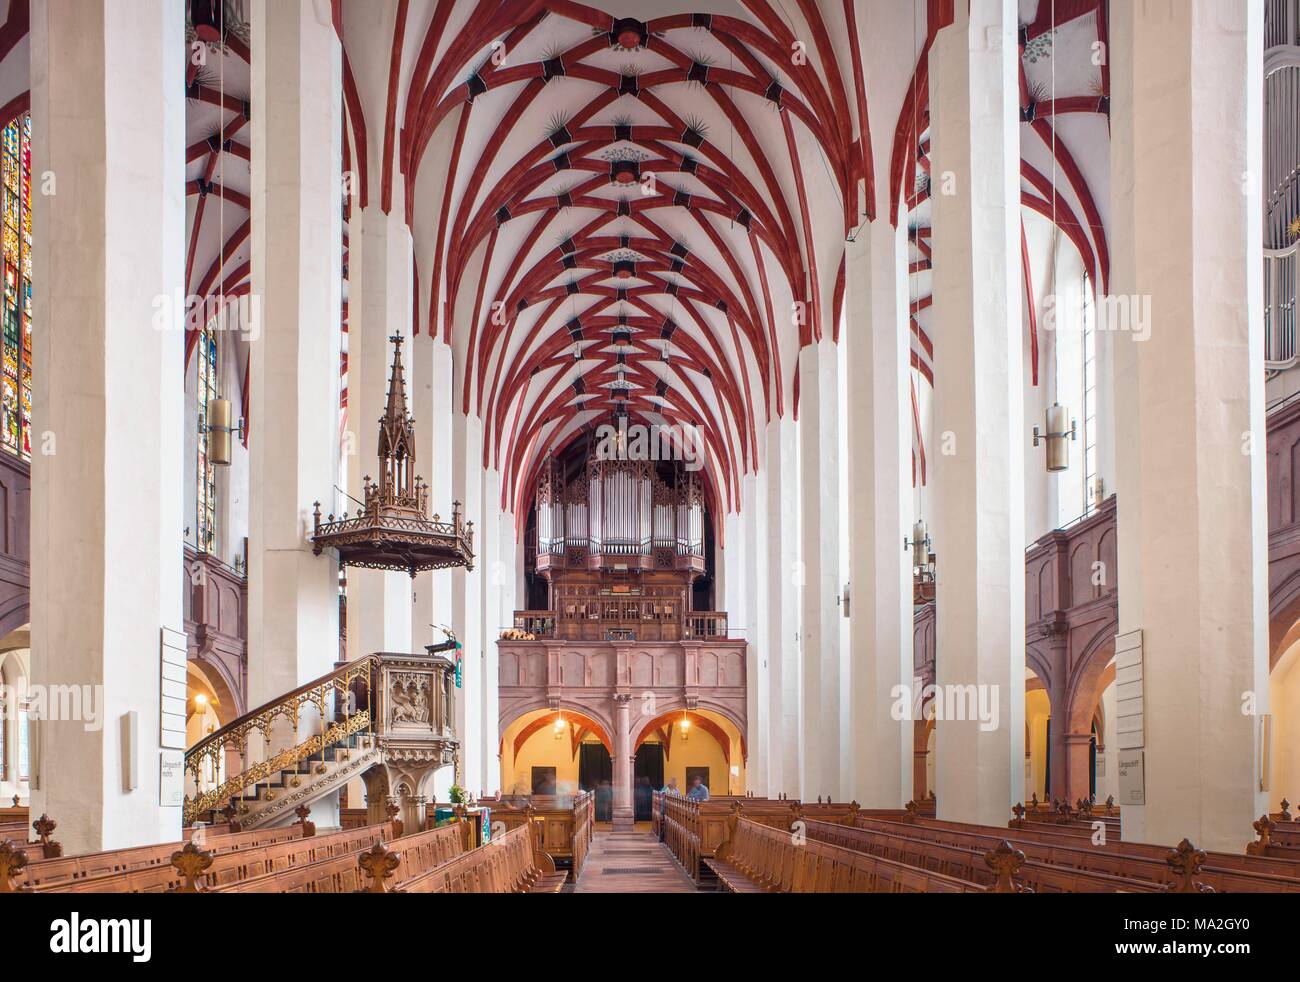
398,707
615,619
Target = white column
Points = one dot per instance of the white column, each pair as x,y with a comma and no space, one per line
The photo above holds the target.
819,456
106,528
758,709
379,601
877,339
624,758
783,579
467,601
1187,143
431,404
979,413
296,249
494,580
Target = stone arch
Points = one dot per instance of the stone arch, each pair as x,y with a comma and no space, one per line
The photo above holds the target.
1086,683
591,706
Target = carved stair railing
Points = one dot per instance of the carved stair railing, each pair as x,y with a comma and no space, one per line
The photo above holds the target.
210,785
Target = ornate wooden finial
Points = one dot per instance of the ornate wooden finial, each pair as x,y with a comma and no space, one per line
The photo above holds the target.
1264,829
16,799
13,861
308,828
1063,812
378,863
1019,812
45,827
911,811
1286,814
1005,862
1186,862
1084,807
191,862
1033,802
1110,804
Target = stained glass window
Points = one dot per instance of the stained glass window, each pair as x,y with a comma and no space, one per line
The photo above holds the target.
207,471
16,318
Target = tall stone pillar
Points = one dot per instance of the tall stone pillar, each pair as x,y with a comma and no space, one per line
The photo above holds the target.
1187,144
624,816
431,404
878,345
108,116
296,248
379,601
467,614
782,587
819,457
978,414
758,694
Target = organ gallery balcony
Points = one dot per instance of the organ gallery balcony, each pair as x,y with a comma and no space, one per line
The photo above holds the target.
622,621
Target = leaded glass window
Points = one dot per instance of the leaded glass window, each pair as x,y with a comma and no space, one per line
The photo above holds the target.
16,316
207,471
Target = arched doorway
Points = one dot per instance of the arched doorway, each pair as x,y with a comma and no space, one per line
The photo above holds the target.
690,744
555,752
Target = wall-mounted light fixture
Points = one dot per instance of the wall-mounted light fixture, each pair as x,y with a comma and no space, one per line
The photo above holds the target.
220,414
1057,437
919,543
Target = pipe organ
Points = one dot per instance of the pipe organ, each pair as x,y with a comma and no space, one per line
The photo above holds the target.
620,545
619,514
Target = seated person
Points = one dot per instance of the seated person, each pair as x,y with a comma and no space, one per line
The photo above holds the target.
671,787
699,791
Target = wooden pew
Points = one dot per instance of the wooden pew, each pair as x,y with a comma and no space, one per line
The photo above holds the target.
232,865
509,863
1222,872
694,830
760,859
1278,840
386,864
66,869
563,825
963,855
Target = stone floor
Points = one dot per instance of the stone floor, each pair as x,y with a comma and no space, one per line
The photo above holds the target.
631,862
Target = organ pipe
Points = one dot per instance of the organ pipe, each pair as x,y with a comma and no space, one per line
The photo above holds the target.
619,508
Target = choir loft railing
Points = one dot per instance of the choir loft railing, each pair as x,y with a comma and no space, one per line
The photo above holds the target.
622,621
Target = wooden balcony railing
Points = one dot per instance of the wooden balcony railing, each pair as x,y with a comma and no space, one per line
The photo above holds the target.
624,621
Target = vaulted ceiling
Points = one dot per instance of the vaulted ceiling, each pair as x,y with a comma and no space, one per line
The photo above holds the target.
641,209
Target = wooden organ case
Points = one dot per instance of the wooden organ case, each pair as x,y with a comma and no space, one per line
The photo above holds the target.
620,546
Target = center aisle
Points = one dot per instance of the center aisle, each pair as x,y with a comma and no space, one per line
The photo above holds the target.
631,862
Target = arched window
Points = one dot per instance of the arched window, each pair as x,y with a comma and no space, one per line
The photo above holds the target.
207,471
16,332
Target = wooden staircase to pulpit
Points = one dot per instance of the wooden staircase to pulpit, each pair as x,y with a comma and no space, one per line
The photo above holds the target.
393,711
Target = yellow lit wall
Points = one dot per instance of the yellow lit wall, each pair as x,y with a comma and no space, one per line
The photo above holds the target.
701,749
1036,714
